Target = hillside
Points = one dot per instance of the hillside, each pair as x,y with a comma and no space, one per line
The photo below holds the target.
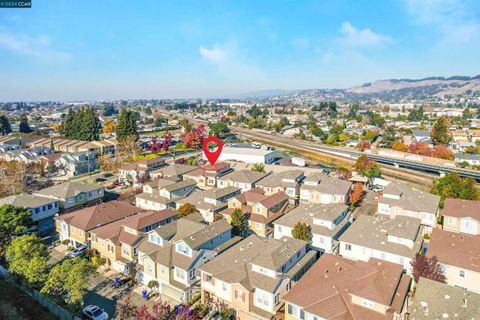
437,86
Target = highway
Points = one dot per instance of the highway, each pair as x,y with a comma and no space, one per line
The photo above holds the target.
349,153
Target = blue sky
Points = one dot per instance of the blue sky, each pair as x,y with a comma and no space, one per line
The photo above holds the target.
86,49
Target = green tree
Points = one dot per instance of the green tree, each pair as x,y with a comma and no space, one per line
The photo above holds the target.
239,222
367,167
13,220
187,126
148,110
27,258
72,276
24,126
389,137
440,134
109,110
454,186
126,125
81,125
219,129
302,231
5,127
186,209
259,167
88,125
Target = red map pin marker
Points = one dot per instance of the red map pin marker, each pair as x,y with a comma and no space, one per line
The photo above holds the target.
212,156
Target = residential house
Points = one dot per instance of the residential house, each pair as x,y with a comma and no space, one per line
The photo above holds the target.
327,223
76,226
209,202
136,171
43,209
172,254
400,200
261,210
253,276
117,241
67,145
73,195
461,216
162,194
206,175
76,163
458,255
243,179
436,300
338,288
24,155
422,136
175,170
286,181
320,188
394,240
470,159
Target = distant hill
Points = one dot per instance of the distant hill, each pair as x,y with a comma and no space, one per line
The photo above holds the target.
438,86
264,94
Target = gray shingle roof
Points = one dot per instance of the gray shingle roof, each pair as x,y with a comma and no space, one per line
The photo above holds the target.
434,300
26,201
411,199
68,190
244,176
372,232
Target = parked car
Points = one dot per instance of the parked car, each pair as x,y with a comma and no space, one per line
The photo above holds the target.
94,313
78,251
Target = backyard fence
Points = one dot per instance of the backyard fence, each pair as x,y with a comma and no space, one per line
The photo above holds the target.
46,302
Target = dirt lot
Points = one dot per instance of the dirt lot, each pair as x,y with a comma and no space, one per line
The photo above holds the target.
17,305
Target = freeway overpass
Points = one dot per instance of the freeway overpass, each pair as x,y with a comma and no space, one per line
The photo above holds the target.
350,153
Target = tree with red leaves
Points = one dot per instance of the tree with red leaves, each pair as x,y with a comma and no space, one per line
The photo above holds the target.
420,148
154,146
356,194
443,152
167,139
429,268
194,138
362,145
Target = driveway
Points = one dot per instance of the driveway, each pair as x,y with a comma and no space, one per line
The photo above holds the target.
103,293
57,254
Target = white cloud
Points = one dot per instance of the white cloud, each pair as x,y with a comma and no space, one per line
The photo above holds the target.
214,55
354,37
38,47
456,20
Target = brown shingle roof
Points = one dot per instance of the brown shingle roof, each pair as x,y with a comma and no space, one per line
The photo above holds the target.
325,290
462,208
99,215
455,249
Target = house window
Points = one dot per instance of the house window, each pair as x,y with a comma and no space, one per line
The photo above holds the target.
461,274
191,274
261,298
239,295
348,247
126,251
288,286
382,256
179,273
110,248
451,220
258,226
279,228
94,238
224,286
277,298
